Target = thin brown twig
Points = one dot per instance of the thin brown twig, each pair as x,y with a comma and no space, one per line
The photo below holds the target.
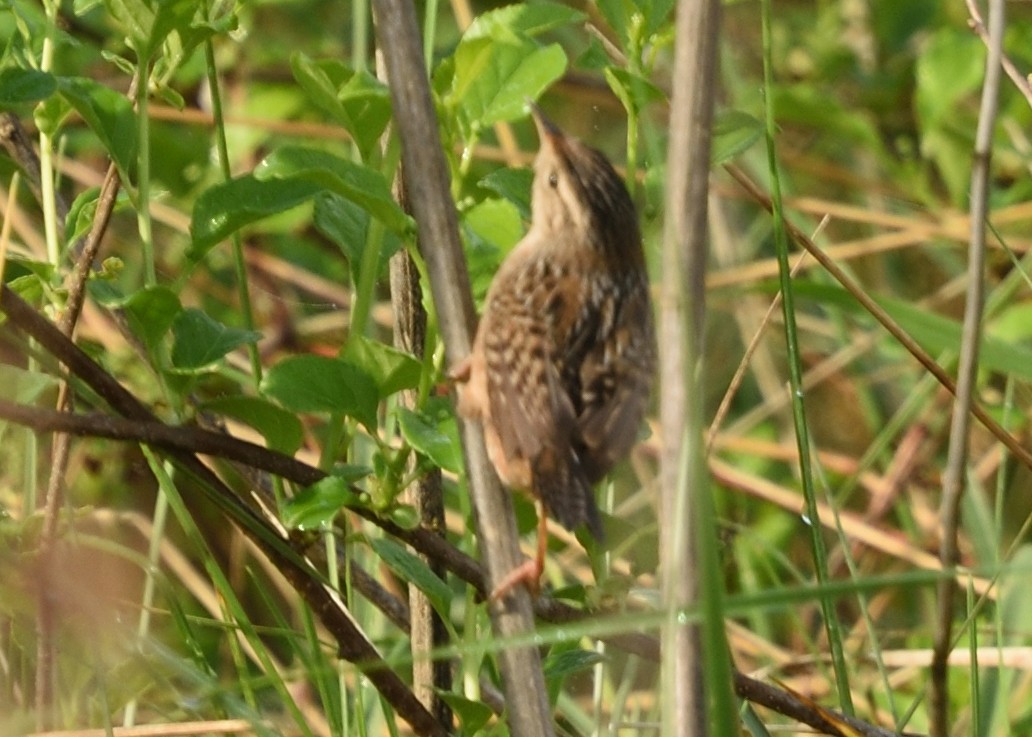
1020,80
955,474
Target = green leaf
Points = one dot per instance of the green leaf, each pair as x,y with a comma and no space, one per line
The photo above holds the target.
224,208
563,663
733,133
404,516
413,570
347,225
437,440
281,429
51,113
362,185
322,384
108,114
493,80
150,313
356,100
172,16
19,86
474,715
200,341
318,504
495,221
512,184
391,369
521,19
638,18
136,18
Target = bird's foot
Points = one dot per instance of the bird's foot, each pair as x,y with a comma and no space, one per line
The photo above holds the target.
528,573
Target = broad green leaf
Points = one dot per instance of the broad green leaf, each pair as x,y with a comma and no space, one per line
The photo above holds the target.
282,430
495,221
522,19
151,312
108,114
473,715
437,440
51,113
319,503
199,341
18,86
413,570
360,184
391,369
347,225
224,208
638,18
563,663
147,24
404,516
493,80
172,16
322,384
512,184
733,133
136,18
356,100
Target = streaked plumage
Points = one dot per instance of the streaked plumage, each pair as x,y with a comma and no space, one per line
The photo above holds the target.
564,355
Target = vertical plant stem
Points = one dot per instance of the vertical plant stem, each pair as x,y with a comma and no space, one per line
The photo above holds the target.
46,146
696,666
143,217
239,262
795,374
45,617
427,183
967,369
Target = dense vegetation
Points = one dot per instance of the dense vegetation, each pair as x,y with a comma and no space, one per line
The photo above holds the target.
242,286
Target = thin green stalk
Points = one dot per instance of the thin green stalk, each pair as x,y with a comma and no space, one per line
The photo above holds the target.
429,32
239,263
359,34
831,623
143,215
51,230
149,585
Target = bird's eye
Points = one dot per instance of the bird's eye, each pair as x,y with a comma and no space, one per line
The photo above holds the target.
553,180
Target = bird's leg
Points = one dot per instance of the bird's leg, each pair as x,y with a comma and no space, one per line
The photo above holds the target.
529,572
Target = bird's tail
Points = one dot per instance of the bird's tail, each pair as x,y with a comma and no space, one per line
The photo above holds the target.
568,495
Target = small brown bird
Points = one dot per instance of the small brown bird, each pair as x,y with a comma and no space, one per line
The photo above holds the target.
564,356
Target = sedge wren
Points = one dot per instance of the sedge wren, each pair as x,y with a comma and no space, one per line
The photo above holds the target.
564,355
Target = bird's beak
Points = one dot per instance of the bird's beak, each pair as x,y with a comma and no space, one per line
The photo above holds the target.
547,130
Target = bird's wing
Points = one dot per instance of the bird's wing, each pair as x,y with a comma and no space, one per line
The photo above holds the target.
531,409
615,377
